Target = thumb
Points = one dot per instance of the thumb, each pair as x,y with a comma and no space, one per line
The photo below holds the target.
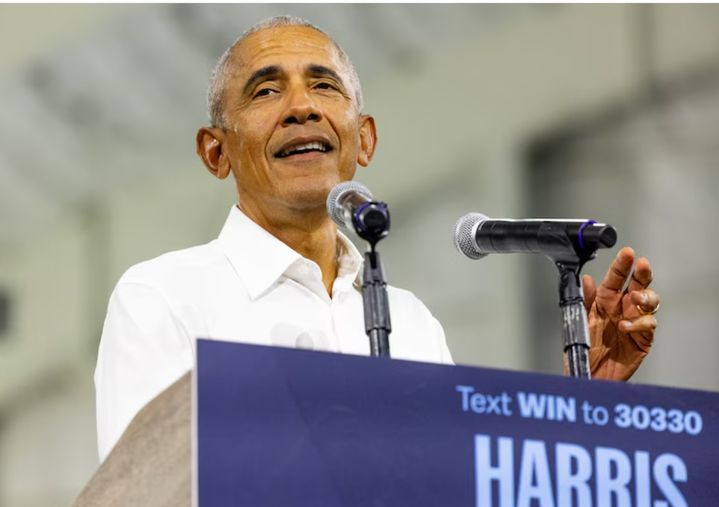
589,289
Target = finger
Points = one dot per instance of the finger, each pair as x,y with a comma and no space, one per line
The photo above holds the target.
589,290
618,272
643,324
646,299
642,275
643,340
641,331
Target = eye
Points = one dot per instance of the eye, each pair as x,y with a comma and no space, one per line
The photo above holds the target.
264,92
324,85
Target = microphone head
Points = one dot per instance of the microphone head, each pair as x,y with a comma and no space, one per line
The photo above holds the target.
334,208
465,233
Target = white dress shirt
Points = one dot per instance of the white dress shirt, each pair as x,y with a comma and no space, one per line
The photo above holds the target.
246,286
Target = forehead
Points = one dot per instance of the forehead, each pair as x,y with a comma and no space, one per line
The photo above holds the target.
286,46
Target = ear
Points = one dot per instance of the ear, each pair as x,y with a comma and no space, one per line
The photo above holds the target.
368,140
209,147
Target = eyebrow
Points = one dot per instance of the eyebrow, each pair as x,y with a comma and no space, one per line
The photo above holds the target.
275,71
269,72
322,71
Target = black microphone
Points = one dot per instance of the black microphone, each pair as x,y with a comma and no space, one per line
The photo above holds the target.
476,235
350,204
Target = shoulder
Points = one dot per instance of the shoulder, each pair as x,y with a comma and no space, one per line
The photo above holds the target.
180,267
165,295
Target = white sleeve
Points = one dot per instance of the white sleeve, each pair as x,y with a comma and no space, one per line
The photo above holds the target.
144,349
435,333
446,356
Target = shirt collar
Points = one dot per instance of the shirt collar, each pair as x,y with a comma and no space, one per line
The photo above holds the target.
349,261
260,259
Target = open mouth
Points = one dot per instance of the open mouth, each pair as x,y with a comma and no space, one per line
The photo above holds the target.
299,149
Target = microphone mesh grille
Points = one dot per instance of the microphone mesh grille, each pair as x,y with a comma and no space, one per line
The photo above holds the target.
334,210
464,232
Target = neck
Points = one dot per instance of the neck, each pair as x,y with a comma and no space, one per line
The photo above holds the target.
312,234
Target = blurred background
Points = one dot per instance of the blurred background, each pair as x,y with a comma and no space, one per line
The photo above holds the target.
608,112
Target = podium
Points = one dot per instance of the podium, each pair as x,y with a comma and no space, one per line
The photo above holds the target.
275,426
151,463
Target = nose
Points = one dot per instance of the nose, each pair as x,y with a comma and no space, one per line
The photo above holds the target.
301,109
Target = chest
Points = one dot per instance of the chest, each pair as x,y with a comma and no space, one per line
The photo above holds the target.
288,315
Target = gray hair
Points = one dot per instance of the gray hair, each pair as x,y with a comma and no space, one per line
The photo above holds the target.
215,92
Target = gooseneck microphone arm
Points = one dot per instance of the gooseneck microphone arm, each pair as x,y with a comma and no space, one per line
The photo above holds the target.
350,204
568,243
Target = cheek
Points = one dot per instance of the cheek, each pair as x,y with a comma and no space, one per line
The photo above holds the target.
251,146
249,162
254,130
350,133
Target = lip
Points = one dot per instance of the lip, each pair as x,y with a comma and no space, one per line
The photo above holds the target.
302,140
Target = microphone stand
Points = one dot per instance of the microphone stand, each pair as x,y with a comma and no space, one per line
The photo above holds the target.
570,256
376,304
371,221
575,330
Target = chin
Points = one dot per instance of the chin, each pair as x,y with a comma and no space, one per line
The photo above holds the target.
310,197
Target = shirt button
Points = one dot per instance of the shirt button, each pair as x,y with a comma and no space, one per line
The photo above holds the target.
305,341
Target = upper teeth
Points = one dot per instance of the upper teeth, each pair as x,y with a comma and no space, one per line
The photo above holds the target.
314,145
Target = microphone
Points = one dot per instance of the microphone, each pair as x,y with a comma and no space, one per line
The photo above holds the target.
350,204
476,236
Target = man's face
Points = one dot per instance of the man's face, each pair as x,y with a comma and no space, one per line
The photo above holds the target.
293,124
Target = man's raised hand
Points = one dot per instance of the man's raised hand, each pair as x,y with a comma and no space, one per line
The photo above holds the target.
621,321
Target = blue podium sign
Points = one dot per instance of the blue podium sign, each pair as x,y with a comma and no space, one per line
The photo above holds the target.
287,427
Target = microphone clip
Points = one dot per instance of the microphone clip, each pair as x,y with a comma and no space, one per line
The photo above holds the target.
371,221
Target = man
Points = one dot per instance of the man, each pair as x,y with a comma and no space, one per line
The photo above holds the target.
287,123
